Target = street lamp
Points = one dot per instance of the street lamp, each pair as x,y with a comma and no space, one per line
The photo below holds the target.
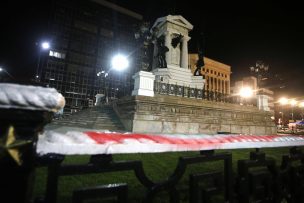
292,103
246,92
283,101
5,71
119,62
43,46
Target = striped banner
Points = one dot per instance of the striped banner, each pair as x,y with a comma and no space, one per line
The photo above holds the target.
72,143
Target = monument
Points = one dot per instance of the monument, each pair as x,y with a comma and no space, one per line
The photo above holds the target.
178,103
174,29
169,36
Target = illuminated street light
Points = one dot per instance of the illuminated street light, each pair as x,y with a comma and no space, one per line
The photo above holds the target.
292,103
44,46
301,104
246,92
5,71
283,101
120,62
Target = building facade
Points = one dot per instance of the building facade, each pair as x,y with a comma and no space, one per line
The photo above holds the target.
84,36
216,74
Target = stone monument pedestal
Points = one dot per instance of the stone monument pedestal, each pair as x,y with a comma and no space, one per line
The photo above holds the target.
144,84
262,101
179,76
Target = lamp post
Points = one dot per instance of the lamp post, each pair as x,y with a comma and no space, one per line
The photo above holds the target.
43,46
292,103
259,70
119,63
283,101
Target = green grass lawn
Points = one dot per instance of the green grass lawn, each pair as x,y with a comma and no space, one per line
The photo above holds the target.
157,167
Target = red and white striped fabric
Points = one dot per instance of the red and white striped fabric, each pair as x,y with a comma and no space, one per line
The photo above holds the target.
72,143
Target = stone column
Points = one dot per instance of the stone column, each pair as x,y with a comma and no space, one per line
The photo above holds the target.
184,58
168,44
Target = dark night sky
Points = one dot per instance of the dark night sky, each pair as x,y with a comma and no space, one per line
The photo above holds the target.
237,34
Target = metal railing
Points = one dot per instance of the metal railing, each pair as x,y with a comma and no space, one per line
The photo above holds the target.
189,92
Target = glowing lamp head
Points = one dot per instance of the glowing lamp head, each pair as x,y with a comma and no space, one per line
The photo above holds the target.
246,92
293,102
283,101
45,45
120,62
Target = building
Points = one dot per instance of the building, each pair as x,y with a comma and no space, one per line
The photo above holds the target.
251,82
217,74
84,36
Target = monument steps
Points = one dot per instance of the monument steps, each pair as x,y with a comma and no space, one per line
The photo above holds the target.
99,117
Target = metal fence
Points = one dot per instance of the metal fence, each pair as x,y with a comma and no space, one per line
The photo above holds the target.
189,92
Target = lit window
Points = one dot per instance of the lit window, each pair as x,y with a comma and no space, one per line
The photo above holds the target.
57,54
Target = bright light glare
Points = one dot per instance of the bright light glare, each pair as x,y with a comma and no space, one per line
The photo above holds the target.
293,102
1,69
246,92
283,101
301,104
45,45
120,62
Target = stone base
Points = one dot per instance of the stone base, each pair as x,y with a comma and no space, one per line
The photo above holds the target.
170,114
179,76
144,84
197,82
262,101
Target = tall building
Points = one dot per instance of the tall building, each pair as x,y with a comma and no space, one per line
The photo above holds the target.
84,36
217,74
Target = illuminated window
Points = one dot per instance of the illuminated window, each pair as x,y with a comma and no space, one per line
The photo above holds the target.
57,54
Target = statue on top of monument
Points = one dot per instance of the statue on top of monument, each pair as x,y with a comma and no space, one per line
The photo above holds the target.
162,49
145,37
200,51
176,40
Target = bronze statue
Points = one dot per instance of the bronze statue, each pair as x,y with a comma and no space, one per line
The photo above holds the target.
145,37
200,51
162,50
176,40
